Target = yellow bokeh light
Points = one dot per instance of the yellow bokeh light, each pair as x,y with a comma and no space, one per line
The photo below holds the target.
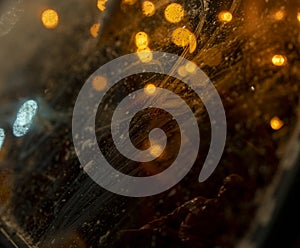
279,15
94,30
99,83
50,18
225,16
156,150
182,71
148,8
129,2
183,37
276,123
141,40
101,4
150,89
145,55
298,16
279,60
174,13
190,67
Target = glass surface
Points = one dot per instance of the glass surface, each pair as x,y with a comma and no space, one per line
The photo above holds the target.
48,49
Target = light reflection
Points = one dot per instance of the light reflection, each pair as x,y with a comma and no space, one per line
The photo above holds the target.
141,40
225,16
94,30
156,150
182,37
24,118
174,13
145,55
101,4
2,137
150,89
276,123
279,15
279,60
99,83
148,8
298,16
50,18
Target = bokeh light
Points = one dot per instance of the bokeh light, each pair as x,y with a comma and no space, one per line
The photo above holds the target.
25,118
276,123
298,16
150,89
50,18
141,40
182,37
145,54
279,15
101,4
94,30
148,8
99,83
279,60
174,13
225,16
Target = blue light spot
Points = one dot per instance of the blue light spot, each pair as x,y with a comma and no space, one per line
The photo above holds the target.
2,137
24,118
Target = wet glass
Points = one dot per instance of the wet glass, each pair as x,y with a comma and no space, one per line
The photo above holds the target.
48,49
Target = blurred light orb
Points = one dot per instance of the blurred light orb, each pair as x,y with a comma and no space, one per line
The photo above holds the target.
156,150
298,16
174,13
225,16
150,89
94,30
148,8
279,15
25,118
183,37
145,54
101,4
50,18
99,83
141,40
279,60
276,123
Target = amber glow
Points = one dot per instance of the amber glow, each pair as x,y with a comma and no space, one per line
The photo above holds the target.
279,60
129,2
279,15
50,18
276,123
94,30
156,150
148,8
190,67
183,37
101,4
174,13
298,16
141,40
150,89
225,16
145,55
99,83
